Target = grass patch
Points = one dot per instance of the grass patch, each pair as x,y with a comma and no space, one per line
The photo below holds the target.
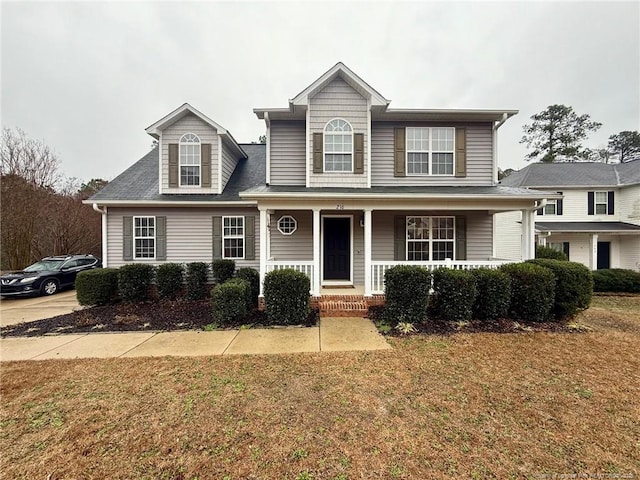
481,405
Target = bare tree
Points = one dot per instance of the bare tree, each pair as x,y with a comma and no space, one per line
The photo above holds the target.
28,158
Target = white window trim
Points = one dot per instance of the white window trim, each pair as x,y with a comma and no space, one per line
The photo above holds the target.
180,165
224,237
135,237
430,240
605,203
295,224
430,153
324,148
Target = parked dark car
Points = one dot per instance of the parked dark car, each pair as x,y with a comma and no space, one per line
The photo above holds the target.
48,276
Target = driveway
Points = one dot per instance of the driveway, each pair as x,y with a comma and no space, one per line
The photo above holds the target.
18,310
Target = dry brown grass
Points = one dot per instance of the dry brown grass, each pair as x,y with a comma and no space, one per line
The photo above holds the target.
463,406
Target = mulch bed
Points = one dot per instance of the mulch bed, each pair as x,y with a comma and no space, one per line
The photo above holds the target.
135,317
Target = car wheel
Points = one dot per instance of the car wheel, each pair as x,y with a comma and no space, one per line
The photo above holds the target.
49,287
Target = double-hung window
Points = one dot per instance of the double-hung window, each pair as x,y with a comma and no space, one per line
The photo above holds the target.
338,146
144,237
430,238
233,237
601,203
190,160
551,207
430,150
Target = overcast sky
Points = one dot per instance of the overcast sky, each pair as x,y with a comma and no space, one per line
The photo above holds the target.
88,78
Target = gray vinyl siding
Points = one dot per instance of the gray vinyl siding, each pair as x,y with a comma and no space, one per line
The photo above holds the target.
189,124
287,153
229,162
299,245
338,100
479,156
479,232
189,233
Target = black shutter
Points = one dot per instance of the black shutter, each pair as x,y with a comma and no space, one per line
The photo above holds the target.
559,205
540,211
565,249
610,199
590,203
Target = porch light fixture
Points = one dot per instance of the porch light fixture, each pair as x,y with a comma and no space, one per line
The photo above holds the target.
287,225
362,221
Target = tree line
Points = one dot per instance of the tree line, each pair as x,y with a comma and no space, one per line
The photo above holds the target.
558,132
41,211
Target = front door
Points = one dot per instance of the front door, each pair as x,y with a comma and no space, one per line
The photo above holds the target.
604,255
337,249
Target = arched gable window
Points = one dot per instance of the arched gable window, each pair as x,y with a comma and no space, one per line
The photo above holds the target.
338,146
190,160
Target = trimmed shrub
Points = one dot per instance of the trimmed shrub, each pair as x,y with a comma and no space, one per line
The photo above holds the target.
253,277
196,281
406,288
532,291
229,301
493,294
97,287
134,280
454,294
286,296
616,280
223,270
574,286
169,280
551,253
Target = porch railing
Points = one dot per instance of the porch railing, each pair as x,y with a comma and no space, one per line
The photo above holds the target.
304,267
378,268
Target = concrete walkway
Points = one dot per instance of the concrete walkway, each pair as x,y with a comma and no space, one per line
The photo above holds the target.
333,335
15,310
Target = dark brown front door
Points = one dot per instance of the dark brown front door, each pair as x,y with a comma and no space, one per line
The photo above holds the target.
337,248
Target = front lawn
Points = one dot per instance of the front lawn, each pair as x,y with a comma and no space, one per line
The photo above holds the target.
481,405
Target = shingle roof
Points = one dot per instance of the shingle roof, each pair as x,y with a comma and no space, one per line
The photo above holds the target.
575,174
139,182
426,191
587,227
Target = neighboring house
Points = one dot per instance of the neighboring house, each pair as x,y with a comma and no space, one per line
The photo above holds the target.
344,188
597,222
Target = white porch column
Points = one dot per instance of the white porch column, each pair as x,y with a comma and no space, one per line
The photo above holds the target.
263,248
315,288
593,256
367,252
528,235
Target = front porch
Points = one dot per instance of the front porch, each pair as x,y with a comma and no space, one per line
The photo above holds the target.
348,238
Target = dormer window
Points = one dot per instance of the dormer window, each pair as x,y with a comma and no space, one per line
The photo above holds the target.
338,146
190,160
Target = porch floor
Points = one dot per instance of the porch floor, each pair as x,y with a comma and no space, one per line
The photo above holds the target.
339,291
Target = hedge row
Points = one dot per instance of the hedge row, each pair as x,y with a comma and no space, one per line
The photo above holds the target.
616,280
132,282
533,291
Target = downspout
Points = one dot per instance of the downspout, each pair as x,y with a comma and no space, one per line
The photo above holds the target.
495,147
268,147
529,229
103,212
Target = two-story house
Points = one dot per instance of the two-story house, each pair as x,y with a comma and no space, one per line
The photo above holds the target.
597,222
344,188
